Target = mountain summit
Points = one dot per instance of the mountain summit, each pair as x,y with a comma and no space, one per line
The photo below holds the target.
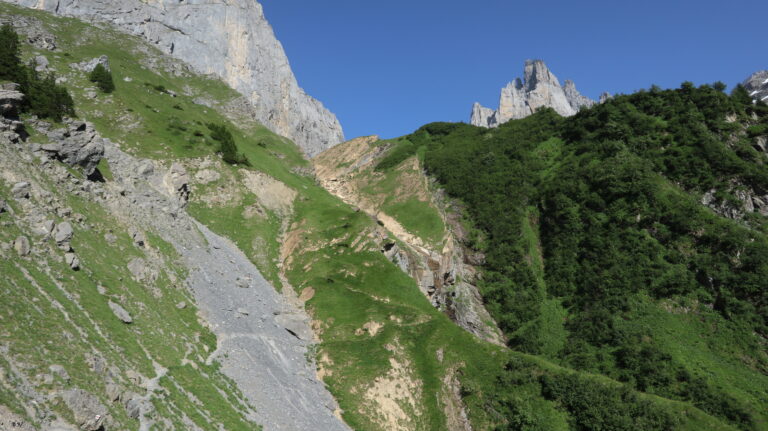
522,97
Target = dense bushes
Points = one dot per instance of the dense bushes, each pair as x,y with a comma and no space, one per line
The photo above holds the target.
44,97
102,78
227,146
613,195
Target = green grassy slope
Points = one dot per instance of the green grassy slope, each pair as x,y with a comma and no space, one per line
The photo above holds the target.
395,374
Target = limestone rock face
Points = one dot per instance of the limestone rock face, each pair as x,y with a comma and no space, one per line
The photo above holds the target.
576,99
228,38
757,85
538,89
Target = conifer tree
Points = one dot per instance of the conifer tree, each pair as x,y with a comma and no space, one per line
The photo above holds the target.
102,78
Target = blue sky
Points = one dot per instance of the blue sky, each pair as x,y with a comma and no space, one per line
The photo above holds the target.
388,67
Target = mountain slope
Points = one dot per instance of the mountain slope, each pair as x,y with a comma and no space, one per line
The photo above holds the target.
599,253
231,40
391,360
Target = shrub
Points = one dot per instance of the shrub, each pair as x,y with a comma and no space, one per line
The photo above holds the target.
227,146
102,78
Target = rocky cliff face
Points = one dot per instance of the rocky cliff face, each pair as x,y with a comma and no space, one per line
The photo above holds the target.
757,85
538,89
230,39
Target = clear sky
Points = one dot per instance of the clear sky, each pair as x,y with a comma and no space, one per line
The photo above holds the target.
388,67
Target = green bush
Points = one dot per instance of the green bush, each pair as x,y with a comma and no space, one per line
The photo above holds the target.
227,146
102,78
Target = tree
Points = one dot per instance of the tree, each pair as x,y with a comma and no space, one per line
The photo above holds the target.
11,67
102,78
227,147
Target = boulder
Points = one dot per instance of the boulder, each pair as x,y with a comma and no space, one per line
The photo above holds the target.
10,102
88,65
21,190
120,312
77,145
88,411
177,182
72,260
63,233
21,245
41,63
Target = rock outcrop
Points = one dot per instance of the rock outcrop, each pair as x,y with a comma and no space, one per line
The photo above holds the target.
231,39
757,85
538,89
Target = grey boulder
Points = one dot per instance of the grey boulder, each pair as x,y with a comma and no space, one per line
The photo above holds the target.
72,260
21,190
10,101
120,312
21,245
88,411
63,233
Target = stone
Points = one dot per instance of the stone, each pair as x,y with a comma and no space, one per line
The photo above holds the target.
604,97
145,169
113,391
63,233
176,182
3,206
72,260
181,305
21,190
230,39
89,413
538,89
21,245
88,65
110,238
10,102
78,145
139,240
41,63
133,408
120,313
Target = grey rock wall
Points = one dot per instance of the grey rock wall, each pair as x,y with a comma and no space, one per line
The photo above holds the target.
227,38
538,89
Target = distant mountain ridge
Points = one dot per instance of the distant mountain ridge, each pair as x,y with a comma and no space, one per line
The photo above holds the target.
539,88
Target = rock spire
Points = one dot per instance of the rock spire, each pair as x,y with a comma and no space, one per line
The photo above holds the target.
538,89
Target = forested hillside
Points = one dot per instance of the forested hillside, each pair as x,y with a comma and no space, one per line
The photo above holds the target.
600,254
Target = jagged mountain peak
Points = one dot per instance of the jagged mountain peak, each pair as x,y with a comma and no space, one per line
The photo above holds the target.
757,85
539,88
